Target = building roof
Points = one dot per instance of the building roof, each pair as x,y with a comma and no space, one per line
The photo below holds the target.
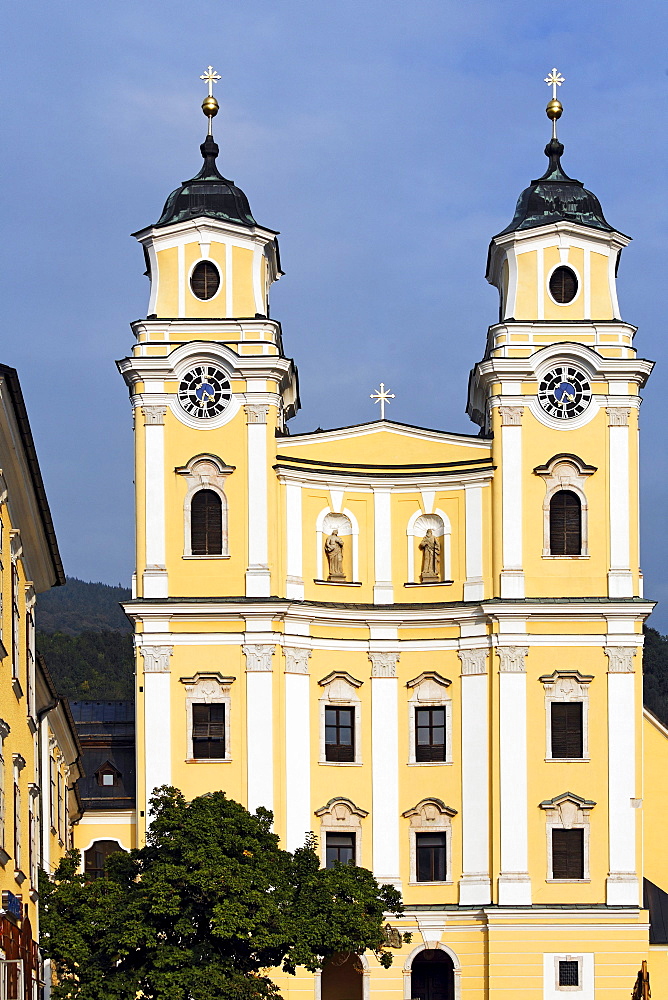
207,194
556,197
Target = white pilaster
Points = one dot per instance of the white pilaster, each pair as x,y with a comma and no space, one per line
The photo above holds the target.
475,884
157,718
383,592
622,888
512,574
294,584
620,579
259,725
258,575
385,767
155,573
474,587
514,881
299,817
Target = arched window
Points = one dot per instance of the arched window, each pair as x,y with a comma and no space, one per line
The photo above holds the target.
96,856
206,524
565,524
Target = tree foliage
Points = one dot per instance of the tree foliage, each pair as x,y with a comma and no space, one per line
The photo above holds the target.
655,673
204,909
91,666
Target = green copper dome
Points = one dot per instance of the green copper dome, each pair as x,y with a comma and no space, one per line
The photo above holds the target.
207,194
555,197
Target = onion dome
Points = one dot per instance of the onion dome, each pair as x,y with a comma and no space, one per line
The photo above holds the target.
556,197
207,194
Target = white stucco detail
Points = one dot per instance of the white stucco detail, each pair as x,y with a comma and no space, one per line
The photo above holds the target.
622,884
385,779
514,881
260,739
383,592
294,584
475,884
258,577
620,581
474,587
155,574
298,814
512,576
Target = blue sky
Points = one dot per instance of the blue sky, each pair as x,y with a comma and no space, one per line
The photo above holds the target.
387,141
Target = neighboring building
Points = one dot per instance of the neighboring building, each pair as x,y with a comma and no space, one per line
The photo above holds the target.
107,734
424,646
29,564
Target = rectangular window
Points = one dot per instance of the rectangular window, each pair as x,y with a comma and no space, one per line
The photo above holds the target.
429,734
339,734
61,808
566,728
209,732
339,847
568,854
569,973
16,623
430,857
52,793
17,826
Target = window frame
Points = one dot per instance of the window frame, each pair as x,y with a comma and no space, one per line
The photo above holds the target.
340,815
337,726
566,686
419,836
578,283
429,690
563,492
208,688
568,812
191,273
215,529
211,707
205,472
351,834
431,745
566,472
431,816
340,690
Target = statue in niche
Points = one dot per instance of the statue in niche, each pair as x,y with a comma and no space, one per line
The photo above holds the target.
334,553
431,551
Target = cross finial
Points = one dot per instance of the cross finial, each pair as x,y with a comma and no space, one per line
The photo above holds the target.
210,77
553,79
382,396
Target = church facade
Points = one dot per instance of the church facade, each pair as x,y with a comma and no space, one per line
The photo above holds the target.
423,646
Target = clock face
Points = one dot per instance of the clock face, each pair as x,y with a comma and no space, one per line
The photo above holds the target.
205,391
564,392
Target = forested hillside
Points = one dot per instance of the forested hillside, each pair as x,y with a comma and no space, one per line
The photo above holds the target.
87,643
86,640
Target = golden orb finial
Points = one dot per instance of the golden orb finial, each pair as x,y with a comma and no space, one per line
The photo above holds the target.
210,105
554,109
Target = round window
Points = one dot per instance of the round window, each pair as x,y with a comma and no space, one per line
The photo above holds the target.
563,285
205,280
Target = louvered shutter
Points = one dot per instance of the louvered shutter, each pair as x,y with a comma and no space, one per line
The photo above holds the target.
563,285
206,524
565,524
205,280
568,854
566,726
208,731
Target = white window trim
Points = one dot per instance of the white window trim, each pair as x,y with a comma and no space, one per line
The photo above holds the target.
326,520
443,532
340,691
208,688
551,988
189,277
567,812
565,472
430,816
205,472
430,690
571,267
566,686
341,815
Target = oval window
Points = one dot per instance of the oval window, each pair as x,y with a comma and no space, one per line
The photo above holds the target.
205,280
563,285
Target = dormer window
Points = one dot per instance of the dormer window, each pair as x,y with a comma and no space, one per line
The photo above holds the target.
205,280
107,775
563,285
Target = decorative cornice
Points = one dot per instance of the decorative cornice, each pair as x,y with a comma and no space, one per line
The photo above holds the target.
384,664
512,659
5,730
550,679
19,761
429,675
620,659
256,413
296,659
154,414
567,797
511,415
156,658
340,675
618,416
437,803
474,661
258,657
211,678
340,800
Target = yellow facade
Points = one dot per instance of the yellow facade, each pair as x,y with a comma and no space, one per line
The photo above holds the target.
524,617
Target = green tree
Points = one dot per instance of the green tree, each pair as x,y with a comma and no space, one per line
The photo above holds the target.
204,909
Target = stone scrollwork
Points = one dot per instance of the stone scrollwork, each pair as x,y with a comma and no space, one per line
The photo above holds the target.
258,657
296,659
154,414
474,661
512,659
620,659
384,664
156,658
256,413
618,416
511,415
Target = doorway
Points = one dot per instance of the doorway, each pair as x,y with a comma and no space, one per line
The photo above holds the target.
342,978
432,976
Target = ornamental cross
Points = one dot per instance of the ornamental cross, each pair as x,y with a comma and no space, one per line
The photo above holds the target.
553,79
210,77
382,396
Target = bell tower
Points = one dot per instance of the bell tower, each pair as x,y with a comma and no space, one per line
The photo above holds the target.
558,389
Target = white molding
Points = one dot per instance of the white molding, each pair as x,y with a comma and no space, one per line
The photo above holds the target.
474,586
258,574
155,574
514,884
205,472
474,661
209,688
429,690
259,733
565,685
567,812
339,690
383,591
187,284
580,289
512,575
385,769
551,988
384,664
622,886
156,658
430,816
475,883
619,539
298,815
157,724
511,659
258,657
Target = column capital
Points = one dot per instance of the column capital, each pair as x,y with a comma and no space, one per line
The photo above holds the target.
296,659
474,661
384,664
156,658
511,415
511,659
258,657
620,659
618,416
154,414
256,413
